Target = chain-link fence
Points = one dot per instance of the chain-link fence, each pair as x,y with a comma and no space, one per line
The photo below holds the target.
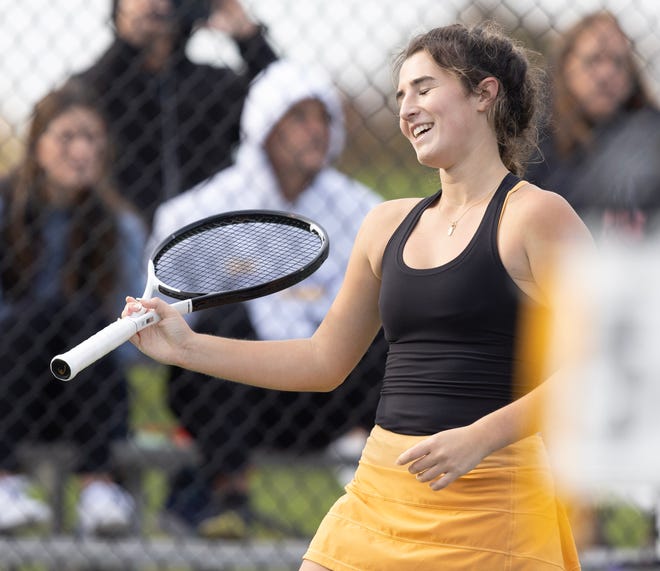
211,475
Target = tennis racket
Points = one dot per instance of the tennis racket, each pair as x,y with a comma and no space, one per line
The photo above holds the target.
231,257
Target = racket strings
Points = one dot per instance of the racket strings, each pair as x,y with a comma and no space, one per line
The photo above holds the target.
232,257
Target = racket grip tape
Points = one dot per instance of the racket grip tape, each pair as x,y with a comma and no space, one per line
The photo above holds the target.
67,365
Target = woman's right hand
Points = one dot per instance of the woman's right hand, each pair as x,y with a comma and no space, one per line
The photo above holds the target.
165,341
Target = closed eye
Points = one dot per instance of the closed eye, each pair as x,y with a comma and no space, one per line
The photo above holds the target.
422,86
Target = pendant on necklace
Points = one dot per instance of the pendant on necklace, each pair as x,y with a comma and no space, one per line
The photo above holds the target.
451,228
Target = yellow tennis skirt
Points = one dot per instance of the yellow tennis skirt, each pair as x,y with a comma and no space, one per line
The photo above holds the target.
501,516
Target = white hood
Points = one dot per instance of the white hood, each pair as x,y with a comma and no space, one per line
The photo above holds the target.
275,90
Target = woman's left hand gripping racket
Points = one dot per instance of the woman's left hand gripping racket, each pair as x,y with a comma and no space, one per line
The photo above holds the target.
222,259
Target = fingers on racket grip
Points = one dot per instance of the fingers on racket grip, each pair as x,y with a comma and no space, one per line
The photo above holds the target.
67,365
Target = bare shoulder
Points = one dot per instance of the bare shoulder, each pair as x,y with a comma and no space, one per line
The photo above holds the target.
529,199
391,211
544,214
379,225
538,228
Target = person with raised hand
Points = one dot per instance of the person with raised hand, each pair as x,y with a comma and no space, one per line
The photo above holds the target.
175,121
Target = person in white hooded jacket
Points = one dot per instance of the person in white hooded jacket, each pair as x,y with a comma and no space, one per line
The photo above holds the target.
292,131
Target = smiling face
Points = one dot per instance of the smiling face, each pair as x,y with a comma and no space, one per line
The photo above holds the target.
598,70
299,141
436,113
70,152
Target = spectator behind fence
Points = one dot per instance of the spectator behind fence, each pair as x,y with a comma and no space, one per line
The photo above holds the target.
64,229
175,122
454,474
292,131
603,138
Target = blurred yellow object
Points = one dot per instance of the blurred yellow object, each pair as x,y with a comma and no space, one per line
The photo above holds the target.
600,418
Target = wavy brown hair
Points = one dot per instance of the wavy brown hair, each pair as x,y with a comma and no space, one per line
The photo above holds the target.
92,234
482,51
571,128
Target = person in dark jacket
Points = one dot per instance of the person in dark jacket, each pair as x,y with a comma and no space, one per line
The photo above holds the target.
175,121
603,138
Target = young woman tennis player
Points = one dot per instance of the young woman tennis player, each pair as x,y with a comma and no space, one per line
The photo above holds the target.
454,474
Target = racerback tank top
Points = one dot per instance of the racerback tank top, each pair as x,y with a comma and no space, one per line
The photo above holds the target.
451,330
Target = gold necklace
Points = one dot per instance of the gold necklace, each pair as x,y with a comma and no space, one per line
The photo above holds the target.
453,223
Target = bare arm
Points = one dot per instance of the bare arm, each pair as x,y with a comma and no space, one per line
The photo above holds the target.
319,363
552,231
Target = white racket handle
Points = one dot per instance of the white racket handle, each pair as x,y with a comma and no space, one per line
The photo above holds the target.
67,365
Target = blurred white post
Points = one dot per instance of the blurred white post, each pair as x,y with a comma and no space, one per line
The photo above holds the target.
603,417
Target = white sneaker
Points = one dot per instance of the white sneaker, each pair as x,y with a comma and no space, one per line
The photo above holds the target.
17,508
104,508
346,452
348,447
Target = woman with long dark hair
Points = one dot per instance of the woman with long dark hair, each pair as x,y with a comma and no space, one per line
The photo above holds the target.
602,141
454,474
64,228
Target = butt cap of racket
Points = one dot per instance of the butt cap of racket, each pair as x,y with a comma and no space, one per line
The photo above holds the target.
60,369
67,365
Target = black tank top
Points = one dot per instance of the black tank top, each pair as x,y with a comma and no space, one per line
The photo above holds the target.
451,330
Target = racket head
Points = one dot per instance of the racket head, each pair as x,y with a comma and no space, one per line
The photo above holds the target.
239,255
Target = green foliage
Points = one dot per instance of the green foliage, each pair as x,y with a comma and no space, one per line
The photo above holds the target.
400,182
624,525
291,496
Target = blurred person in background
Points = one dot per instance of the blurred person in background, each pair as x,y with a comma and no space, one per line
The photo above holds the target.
292,132
175,122
602,140
70,247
